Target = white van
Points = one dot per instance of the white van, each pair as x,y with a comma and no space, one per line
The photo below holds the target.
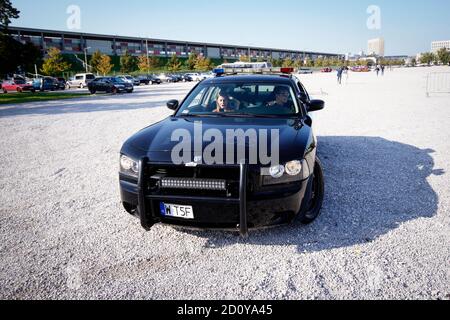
80,80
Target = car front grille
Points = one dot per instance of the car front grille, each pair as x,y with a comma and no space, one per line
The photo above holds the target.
207,181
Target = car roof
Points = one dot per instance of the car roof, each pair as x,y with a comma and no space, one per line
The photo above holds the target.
280,79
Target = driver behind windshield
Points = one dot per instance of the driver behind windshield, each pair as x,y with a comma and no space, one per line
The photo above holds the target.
281,98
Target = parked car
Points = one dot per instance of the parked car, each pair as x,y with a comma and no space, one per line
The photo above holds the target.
173,78
127,78
230,191
194,76
110,85
207,75
305,71
326,70
48,84
144,80
18,85
60,83
80,80
154,80
360,69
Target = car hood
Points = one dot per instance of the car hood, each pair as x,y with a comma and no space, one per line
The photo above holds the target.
156,143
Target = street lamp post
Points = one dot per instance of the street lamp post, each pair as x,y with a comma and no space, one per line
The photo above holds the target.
85,58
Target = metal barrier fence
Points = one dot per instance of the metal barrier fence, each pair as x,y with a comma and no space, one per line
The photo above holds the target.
438,82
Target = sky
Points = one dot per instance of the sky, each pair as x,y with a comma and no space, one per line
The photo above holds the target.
408,26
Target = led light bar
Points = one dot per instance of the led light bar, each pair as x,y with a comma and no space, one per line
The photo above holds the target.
257,71
193,184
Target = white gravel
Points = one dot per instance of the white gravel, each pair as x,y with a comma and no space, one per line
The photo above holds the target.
384,230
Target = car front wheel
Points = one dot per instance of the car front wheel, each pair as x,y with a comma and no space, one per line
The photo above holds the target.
313,201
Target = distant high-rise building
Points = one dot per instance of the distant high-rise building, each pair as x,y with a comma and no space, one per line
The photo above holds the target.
376,47
436,45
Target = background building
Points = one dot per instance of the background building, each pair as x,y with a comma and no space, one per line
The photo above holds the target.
79,43
376,47
436,45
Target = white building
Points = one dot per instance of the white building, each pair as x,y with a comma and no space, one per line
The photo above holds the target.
376,47
436,45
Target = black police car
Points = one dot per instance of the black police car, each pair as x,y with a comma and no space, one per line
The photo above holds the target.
198,169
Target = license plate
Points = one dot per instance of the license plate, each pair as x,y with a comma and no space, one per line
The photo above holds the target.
177,211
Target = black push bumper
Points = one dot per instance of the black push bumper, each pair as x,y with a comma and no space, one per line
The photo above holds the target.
245,211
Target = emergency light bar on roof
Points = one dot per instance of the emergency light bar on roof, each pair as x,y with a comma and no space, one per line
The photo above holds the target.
235,71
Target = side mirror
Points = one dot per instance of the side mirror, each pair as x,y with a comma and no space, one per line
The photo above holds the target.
173,104
316,105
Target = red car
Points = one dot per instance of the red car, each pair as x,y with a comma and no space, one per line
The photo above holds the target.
327,70
17,86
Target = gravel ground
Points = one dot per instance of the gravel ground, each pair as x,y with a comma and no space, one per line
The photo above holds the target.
384,230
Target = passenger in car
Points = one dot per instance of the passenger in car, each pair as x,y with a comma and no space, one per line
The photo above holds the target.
225,103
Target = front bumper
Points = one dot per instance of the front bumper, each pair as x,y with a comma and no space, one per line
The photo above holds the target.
249,209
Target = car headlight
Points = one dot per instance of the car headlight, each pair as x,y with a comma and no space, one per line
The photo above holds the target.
293,168
276,171
129,166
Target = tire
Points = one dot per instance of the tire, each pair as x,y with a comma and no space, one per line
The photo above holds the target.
129,91
92,91
313,201
5,91
114,90
19,90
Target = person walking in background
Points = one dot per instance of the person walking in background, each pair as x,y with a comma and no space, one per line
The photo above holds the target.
377,69
346,72
339,74
382,70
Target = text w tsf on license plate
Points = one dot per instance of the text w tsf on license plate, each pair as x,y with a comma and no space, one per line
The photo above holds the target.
177,211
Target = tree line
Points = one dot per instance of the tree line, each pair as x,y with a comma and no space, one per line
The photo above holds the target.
441,56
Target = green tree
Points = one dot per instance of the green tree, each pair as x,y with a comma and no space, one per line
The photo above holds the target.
174,63
144,64
95,60
443,56
427,58
298,63
128,63
287,63
17,56
7,12
191,61
154,63
104,65
54,63
318,62
244,58
203,64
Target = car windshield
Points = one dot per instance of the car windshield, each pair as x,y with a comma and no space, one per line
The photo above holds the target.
241,99
18,81
117,80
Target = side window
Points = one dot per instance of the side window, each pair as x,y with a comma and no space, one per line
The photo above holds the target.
79,78
198,98
303,91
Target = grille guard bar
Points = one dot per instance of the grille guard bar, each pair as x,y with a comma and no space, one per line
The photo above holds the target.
148,221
